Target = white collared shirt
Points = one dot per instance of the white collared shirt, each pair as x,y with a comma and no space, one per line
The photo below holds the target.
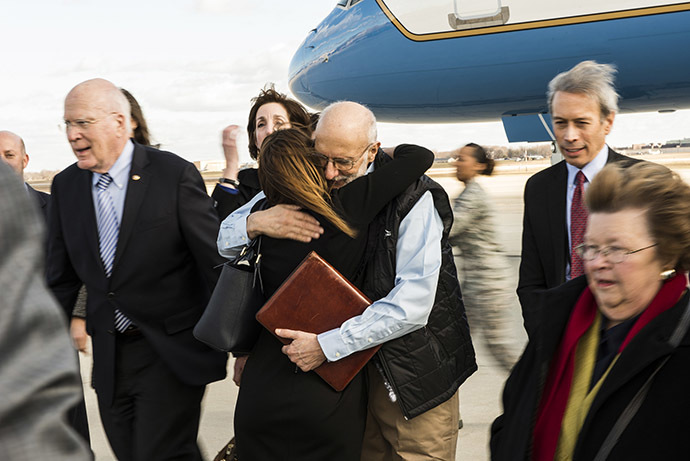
118,188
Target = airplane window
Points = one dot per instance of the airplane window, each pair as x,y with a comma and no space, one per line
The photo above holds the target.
342,3
354,2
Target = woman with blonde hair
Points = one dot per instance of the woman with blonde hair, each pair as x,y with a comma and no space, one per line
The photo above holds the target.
607,372
282,412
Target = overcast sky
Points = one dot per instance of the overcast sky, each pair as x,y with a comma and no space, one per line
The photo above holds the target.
193,65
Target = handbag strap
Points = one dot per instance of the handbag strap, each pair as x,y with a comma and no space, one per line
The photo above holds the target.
257,266
636,402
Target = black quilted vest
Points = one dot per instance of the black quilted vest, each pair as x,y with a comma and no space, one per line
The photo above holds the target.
427,366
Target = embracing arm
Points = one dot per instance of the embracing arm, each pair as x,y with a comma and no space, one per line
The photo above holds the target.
280,221
407,306
362,199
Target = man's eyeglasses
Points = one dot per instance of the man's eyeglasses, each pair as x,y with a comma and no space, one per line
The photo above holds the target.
614,254
81,124
341,164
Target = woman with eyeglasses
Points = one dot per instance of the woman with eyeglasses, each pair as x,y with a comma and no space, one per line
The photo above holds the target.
283,412
606,374
485,279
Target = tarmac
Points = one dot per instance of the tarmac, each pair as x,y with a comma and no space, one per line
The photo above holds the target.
479,395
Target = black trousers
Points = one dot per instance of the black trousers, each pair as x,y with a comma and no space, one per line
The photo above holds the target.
154,416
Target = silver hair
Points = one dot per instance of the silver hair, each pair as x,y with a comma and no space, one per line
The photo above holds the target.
590,78
370,118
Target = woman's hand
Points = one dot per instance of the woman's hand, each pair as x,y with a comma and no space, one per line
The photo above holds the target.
240,362
304,350
232,157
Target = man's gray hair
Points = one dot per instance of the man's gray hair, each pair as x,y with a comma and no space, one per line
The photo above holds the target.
368,117
590,78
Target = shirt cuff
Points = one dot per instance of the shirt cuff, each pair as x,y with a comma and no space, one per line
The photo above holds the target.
228,188
332,345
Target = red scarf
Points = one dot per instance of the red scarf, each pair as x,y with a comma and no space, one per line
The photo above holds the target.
557,390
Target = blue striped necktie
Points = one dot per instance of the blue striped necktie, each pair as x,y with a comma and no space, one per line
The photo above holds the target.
108,231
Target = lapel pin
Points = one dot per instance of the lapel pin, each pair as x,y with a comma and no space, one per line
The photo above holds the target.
136,177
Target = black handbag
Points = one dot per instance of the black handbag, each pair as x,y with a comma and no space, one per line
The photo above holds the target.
229,323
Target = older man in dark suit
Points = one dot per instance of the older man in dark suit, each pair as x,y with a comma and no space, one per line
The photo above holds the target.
583,104
135,226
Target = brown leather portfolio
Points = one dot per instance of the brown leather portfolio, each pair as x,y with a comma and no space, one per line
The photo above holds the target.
315,298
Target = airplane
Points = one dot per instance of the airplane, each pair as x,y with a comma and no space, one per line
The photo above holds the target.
436,61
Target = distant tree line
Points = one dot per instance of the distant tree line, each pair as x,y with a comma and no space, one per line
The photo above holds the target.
526,151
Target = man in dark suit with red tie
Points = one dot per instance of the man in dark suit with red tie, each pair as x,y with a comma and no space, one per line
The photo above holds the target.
583,103
135,225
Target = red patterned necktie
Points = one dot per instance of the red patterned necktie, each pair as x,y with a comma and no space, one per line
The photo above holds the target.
578,223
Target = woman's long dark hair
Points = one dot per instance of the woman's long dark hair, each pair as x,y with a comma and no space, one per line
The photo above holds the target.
288,176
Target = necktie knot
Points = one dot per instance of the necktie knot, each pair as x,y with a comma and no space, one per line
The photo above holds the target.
580,179
104,181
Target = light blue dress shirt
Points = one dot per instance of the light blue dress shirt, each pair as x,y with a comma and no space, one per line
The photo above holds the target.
118,188
408,305
590,171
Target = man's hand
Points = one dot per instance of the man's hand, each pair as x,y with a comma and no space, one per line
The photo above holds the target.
284,222
79,336
304,350
240,362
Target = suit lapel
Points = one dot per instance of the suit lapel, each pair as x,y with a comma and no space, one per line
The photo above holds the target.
556,196
138,182
83,195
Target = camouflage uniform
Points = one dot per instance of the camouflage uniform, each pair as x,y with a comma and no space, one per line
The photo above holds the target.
485,276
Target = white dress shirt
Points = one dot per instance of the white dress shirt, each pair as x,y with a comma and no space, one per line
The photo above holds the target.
118,188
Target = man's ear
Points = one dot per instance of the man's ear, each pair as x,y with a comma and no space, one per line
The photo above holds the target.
25,161
609,122
371,155
123,129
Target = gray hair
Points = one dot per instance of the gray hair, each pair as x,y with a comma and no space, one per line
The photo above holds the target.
590,78
367,115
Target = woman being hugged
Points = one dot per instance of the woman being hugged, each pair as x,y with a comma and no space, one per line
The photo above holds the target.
607,373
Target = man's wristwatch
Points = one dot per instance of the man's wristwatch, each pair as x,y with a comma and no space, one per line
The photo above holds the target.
233,182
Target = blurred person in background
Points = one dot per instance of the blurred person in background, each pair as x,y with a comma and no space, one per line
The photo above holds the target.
485,280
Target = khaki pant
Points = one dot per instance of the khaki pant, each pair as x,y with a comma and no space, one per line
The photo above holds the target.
433,435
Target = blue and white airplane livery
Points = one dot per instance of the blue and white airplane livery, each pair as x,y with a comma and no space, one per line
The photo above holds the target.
474,60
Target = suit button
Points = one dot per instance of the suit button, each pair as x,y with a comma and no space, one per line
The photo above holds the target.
111,295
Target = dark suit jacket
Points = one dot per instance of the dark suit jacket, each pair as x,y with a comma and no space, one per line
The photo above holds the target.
41,199
163,271
545,252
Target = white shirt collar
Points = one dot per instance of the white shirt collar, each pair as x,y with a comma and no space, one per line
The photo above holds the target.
592,168
120,169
